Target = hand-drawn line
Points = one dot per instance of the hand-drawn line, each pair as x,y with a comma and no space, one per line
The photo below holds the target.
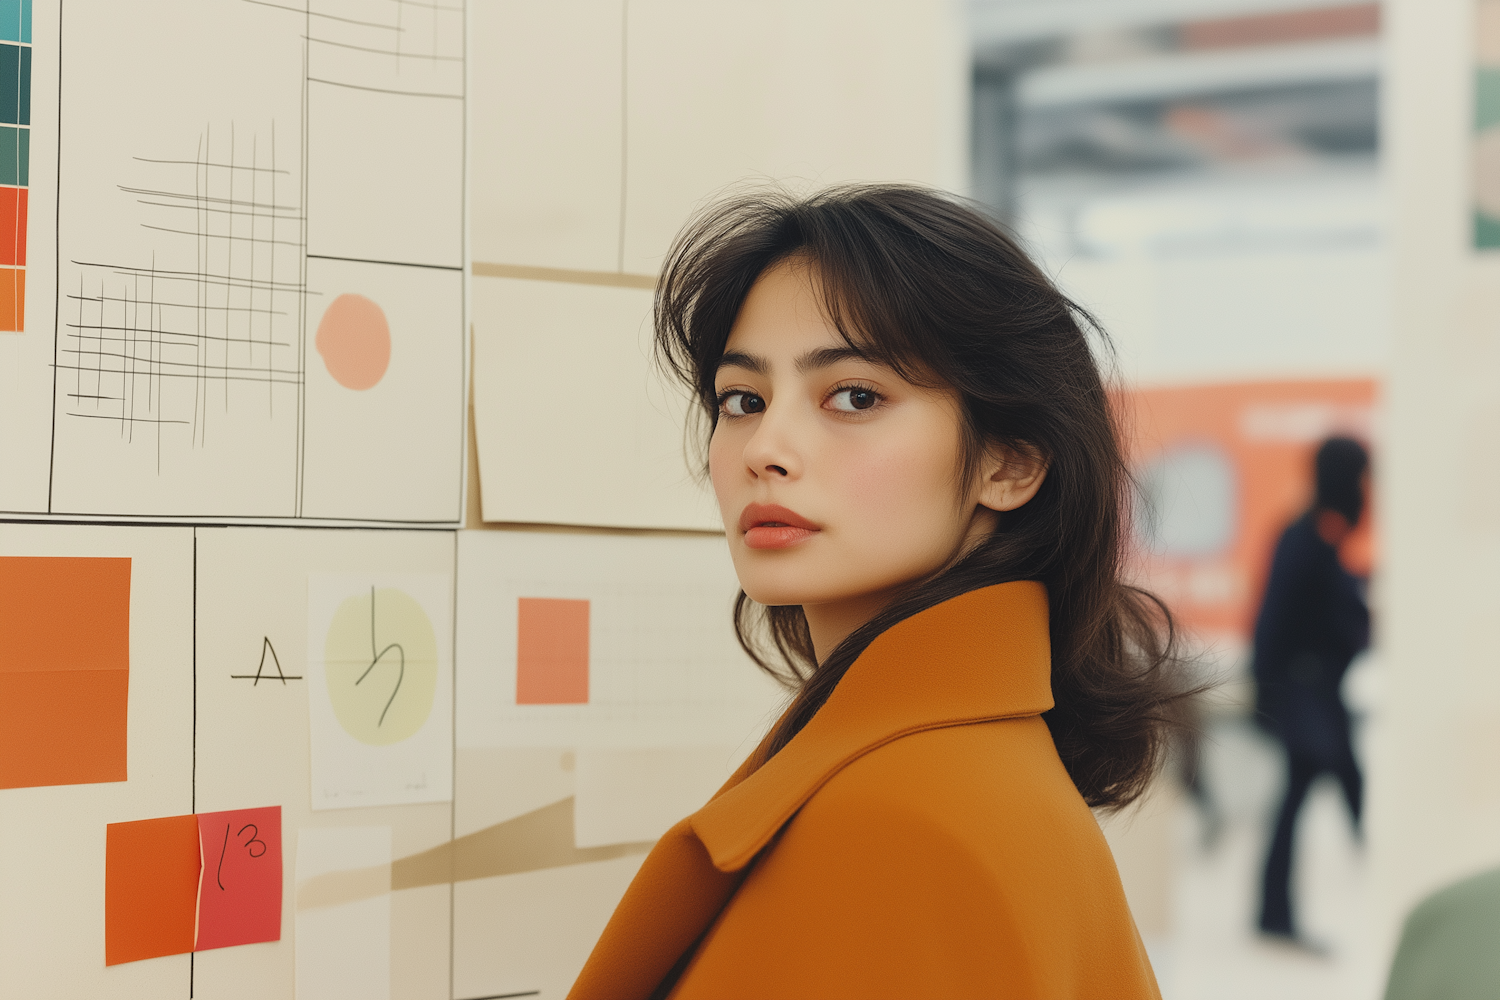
249,846
282,676
162,274
222,236
223,851
400,651
223,166
429,5
383,52
252,204
141,331
331,17
254,839
386,90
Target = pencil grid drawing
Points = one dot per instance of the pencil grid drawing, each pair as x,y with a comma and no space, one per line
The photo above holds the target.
163,350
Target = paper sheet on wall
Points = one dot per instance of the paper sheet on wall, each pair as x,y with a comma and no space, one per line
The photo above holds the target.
177,356
380,689
28,160
343,949
532,927
53,857
638,794
564,389
254,739
663,666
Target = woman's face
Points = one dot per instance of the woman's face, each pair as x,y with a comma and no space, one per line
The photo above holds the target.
838,480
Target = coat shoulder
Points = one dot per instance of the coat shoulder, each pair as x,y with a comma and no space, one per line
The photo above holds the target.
952,862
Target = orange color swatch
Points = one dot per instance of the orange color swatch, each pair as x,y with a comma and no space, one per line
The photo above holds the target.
64,670
12,299
13,225
150,888
239,895
552,652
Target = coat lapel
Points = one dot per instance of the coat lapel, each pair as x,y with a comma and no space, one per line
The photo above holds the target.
981,656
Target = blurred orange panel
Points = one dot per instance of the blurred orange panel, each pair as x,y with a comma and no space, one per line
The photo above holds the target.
1290,26
1264,435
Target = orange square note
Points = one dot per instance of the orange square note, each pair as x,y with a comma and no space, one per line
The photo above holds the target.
64,670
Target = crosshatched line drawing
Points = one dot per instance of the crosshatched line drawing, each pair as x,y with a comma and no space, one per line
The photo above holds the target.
139,337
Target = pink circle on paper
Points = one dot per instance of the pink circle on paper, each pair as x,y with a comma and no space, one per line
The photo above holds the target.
355,341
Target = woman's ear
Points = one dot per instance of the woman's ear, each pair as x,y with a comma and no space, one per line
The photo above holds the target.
1010,476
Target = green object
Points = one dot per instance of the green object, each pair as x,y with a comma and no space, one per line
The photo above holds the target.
1486,232
1486,98
15,155
1448,947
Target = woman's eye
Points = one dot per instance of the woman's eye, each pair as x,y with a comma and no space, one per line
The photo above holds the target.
742,404
853,400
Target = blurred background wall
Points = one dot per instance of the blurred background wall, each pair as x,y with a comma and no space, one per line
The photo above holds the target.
1435,798
1270,207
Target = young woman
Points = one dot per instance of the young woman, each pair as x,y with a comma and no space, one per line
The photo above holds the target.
924,497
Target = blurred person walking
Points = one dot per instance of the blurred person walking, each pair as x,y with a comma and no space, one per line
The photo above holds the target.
1313,621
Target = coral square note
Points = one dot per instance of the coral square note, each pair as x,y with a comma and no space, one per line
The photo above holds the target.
239,890
552,651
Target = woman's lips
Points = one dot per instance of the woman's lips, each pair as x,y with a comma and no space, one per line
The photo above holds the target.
771,526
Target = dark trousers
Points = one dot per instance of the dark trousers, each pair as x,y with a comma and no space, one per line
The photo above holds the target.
1302,770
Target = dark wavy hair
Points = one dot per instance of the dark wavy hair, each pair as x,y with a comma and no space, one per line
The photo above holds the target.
930,286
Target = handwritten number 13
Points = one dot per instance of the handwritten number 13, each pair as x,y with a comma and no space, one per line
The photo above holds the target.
249,845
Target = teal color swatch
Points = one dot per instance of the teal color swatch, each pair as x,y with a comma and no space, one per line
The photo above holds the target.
15,21
15,84
15,155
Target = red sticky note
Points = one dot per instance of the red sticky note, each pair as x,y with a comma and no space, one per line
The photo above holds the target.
239,894
13,225
64,669
552,651
150,888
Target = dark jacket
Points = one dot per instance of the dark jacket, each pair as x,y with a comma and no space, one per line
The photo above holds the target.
1312,622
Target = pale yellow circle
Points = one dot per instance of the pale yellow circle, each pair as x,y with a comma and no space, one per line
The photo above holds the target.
380,658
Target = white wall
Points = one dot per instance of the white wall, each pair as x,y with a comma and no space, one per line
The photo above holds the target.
1434,796
597,127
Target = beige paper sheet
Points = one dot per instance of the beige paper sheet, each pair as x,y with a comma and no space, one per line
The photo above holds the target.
574,424
254,738
52,838
546,82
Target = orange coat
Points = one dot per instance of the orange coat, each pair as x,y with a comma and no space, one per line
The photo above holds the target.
919,838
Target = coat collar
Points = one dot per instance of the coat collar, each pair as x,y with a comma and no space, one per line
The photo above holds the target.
980,656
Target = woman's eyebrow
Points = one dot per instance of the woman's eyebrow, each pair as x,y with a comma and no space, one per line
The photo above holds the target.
739,359
824,357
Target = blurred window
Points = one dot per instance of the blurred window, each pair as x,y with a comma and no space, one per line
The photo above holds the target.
1188,502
